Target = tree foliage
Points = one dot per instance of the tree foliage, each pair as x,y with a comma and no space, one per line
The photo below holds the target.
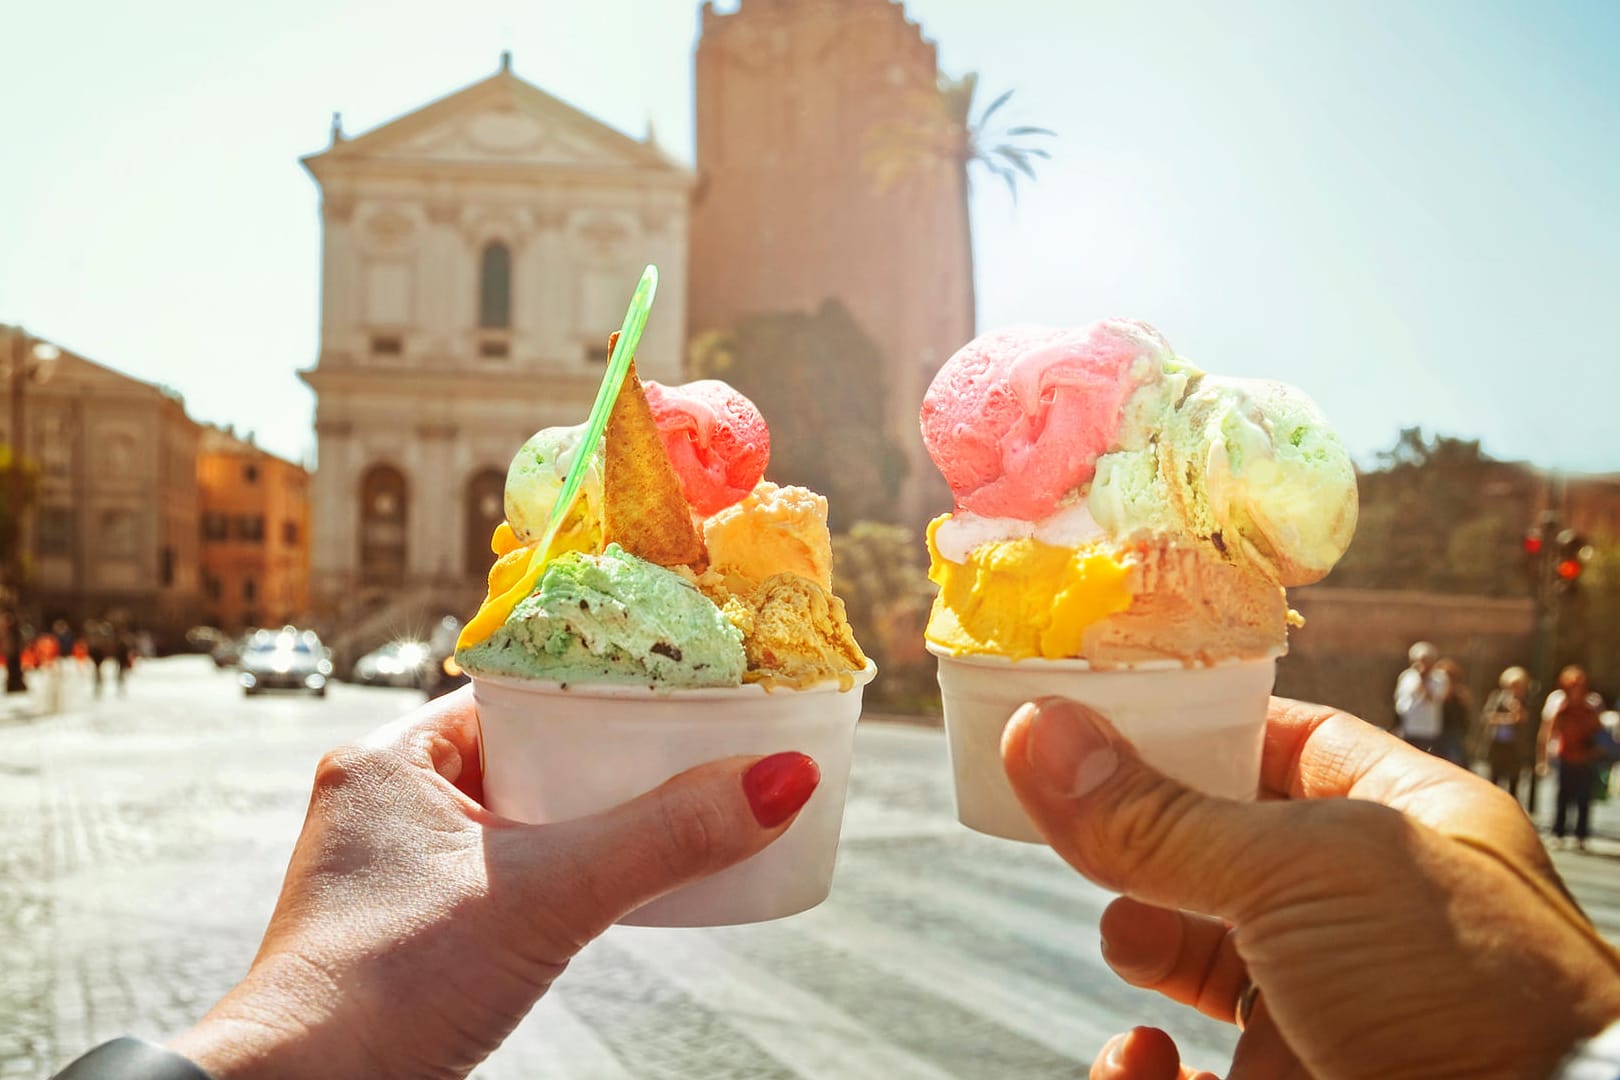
17,477
944,125
819,381
881,572
1439,514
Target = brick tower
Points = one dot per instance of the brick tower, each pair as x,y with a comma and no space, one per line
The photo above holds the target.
788,96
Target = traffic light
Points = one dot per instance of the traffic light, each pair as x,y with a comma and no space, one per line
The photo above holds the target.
1573,554
1537,543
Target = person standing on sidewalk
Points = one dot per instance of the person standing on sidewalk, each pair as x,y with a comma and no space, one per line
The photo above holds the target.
1507,727
1418,694
1572,737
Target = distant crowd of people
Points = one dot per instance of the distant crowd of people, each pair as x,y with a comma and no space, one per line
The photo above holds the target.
99,646
1511,740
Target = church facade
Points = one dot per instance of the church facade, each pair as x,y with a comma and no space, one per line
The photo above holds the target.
476,253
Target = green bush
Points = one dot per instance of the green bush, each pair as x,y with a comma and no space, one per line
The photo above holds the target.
881,572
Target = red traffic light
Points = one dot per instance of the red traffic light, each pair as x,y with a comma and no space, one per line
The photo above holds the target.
1532,544
1569,569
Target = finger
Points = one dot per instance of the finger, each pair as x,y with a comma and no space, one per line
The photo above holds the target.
1261,1052
1131,829
441,735
603,867
1314,752
1190,959
1143,1053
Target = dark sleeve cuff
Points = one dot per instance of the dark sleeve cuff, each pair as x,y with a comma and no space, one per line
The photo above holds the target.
132,1059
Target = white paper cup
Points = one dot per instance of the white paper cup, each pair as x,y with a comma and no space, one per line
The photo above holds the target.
1204,726
553,752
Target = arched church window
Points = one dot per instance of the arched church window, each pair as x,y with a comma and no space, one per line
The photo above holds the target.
485,509
384,502
495,288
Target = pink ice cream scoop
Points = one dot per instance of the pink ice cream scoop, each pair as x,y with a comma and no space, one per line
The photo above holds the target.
716,439
1018,417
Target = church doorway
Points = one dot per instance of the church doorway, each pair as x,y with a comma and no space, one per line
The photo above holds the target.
384,503
486,508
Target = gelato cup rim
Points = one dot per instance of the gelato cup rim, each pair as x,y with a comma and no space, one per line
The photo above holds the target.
1079,666
652,692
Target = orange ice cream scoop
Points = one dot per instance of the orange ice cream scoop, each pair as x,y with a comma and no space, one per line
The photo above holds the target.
774,530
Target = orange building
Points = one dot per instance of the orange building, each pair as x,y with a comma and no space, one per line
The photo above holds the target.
254,512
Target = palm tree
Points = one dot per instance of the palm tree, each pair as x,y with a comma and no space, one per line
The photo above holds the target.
942,130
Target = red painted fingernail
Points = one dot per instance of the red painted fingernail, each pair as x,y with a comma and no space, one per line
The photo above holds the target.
777,786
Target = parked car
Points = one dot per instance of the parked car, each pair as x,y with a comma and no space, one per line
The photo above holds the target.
398,663
285,659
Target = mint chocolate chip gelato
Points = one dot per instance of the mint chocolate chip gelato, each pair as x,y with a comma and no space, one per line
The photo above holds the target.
613,618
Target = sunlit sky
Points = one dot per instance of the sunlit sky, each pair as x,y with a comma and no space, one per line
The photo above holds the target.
1410,209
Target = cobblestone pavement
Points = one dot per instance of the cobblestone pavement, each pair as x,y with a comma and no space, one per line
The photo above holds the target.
142,843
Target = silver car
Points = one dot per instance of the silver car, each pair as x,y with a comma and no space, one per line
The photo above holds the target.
285,659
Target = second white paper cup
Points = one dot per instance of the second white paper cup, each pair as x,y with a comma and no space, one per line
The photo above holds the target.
1204,726
554,752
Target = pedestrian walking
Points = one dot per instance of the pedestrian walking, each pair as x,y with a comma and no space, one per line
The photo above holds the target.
1574,737
125,656
48,658
11,651
1507,730
100,647
1419,692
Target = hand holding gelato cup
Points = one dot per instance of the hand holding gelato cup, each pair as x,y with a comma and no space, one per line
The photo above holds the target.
1124,528
615,649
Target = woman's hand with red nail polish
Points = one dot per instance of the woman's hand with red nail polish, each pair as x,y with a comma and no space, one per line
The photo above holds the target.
415,929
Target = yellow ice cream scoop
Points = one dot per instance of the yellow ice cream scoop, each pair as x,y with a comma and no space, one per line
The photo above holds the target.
1023,598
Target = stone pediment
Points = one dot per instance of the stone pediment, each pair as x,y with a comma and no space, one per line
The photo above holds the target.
72,370
502,121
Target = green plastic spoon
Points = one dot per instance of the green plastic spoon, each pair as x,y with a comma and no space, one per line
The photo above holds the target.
635,321
497,608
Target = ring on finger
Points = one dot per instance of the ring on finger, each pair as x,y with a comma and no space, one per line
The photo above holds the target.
1243,1010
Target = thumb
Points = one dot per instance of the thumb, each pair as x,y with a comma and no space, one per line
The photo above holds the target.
1134,830
600,868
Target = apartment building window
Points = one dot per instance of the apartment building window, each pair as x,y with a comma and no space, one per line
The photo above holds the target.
387,345
597,354
166,565
213,589
56,530
216,527
289,533
250,590
250,527
250,473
